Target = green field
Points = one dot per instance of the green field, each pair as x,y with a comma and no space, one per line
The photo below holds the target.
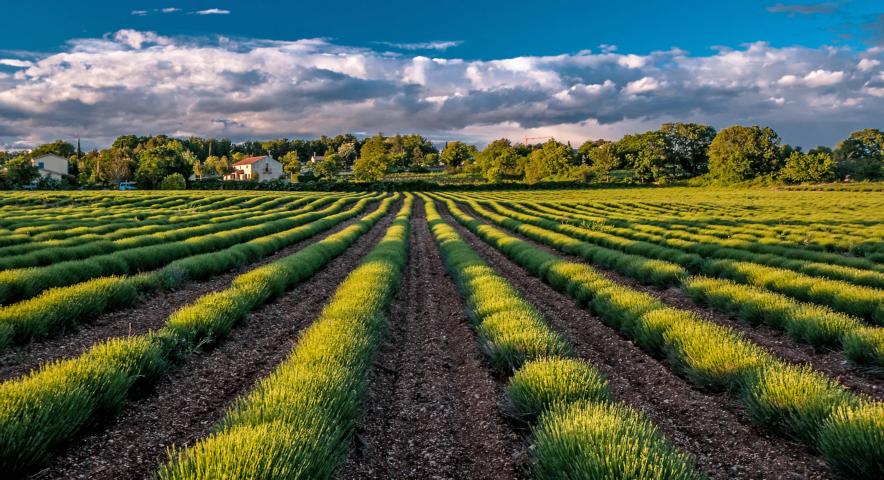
198,335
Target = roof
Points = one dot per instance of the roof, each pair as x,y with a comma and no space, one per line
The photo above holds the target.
249,161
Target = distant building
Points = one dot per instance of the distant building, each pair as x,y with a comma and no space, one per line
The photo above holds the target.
261,169
51,165
316,158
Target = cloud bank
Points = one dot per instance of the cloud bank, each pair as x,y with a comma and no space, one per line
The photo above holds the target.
144,83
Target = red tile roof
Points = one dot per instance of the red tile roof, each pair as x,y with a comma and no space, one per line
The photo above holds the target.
249,161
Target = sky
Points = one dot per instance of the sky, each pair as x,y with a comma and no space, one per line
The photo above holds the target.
474,71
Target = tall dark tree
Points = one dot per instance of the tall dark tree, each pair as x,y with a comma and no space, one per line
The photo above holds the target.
688,145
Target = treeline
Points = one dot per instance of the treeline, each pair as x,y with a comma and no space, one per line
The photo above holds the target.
676,151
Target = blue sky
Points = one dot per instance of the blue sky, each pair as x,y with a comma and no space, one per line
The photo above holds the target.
487,29
450,69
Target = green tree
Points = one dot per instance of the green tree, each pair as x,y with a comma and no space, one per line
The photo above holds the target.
373,162
291,164
741,153
157,162
20,171
498,160
217,165
811,167
455,155
174,181
58,147
347,153
688,145
602,160
370,169
328,167
552,160
861,155
653,160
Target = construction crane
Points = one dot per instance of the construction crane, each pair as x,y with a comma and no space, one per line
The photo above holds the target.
528,139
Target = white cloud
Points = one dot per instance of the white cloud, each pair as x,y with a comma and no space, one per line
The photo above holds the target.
139,13
135,38
642,85
170,10
436,45
213,11
13,62
140,82
867,64
823,78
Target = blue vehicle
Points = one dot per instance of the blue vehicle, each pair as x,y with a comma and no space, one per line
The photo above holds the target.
128,186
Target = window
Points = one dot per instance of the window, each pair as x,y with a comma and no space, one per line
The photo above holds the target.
266,168
40,165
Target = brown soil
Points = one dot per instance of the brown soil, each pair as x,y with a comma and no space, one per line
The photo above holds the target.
830,362
432,409
711,427
149,313
183,406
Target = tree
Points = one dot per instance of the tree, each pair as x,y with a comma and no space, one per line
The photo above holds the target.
113,165
370,169
328,167
602,161
373,162
688,145
347,153
20,171
158,162
58,147
553,159
811,167
741,153
498,160
653,160
455,155
291,164
174,181
861,155
217,165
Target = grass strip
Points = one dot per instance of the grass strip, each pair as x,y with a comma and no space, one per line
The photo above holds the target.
47,407
296,422
794,401
577,430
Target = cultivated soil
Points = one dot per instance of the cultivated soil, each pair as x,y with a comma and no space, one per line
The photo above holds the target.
150,312
710,426
184,405
433,409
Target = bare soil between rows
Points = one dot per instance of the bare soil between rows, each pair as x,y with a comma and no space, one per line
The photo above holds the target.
830,362
710,426
149,313
183,406
432,410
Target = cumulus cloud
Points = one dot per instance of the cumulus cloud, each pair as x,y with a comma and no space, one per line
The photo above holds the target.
140,82
213,11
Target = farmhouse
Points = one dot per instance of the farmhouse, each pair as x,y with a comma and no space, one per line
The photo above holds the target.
260,169
51,166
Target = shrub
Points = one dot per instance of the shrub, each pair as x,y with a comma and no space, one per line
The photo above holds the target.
595,440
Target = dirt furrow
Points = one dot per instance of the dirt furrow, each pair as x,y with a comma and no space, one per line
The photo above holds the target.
149,313
711,427
183,406
831,362
432,409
